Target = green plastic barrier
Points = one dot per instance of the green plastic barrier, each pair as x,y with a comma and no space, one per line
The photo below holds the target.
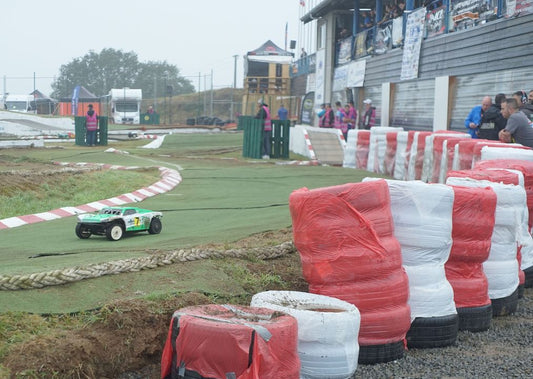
253,137
253,134
150,118
79,130
280,139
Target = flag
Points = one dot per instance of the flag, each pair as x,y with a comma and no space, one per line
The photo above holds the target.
302,3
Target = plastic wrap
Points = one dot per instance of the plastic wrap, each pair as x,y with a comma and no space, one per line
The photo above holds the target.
429,151
214,340
401,160
448,156
362,147
390,153
344,235
349,151
507,219
376,153
416,161
328,331
422,215
464,156
494,150
471,245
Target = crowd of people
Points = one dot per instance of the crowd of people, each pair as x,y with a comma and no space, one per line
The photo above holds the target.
508,119
392,10
345,117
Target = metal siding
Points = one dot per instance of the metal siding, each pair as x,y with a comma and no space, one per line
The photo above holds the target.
413,105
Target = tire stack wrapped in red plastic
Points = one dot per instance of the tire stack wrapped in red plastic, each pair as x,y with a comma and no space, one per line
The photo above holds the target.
416,161
362,146
390,153
470,248
502,267
344,235
220,341
401,160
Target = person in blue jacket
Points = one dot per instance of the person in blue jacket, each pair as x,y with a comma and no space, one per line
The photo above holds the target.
473,121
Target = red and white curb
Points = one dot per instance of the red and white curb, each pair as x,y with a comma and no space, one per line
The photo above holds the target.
309,146
169,179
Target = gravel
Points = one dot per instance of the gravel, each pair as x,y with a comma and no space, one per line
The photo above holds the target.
503,351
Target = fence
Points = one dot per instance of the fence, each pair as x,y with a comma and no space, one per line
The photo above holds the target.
253,136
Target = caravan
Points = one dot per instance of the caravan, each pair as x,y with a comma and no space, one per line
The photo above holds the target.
125,105
19,103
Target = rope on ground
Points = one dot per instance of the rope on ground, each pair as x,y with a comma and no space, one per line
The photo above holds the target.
74,274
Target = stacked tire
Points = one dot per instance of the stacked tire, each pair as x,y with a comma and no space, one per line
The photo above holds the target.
223,341
328,329
422,215
344,235
470,248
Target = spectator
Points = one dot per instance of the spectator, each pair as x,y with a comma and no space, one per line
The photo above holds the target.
264,114
517,127
283,113
473,120
369,117
150,110
339,119
523,104
303,53
327,118
91,126
530,97
351,115
492,121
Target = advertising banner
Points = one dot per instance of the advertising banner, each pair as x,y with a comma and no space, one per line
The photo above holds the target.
414,33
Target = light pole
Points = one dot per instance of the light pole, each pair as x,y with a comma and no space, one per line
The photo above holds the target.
234,85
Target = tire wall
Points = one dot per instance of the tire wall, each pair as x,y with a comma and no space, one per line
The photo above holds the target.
422,215
328,330
344,235
501,267
471,245
214,340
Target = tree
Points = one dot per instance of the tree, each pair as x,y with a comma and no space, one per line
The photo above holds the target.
116,69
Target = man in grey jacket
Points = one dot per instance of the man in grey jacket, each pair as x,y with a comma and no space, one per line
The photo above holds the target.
517,128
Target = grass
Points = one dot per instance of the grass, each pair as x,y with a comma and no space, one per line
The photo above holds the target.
60,190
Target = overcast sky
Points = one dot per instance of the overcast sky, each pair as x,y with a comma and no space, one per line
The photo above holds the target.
196,36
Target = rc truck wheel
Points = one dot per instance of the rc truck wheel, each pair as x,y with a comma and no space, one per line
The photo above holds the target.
82,232
114,232
155,226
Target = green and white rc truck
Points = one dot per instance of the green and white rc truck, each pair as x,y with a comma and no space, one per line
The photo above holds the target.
114,222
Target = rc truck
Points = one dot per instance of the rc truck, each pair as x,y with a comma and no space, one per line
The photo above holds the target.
114,222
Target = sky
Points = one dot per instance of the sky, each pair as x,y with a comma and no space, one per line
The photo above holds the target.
199,37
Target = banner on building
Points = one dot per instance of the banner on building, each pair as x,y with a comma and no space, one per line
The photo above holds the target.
360,44
320,76
345,51
435,21
397,31
468,13
340,78
308,105
383,38
414,33
356,74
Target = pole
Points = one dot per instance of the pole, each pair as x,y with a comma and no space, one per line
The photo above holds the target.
211,106
232,115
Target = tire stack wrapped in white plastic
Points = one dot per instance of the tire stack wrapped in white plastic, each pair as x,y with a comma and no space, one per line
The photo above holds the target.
357,148
401,157
422,215
502,268
416,160
328,329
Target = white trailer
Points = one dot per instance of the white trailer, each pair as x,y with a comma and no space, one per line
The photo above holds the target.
19,103
125,105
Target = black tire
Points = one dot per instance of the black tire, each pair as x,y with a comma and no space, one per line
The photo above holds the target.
429,332
504,306
373,354
529,277
82,232
475,319
115,231
155,226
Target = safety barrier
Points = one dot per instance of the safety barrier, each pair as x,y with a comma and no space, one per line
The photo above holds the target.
253,137
101,134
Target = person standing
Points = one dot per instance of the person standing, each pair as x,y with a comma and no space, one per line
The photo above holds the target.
473,120
91,126
264,114
369,117
523,104
351,115
327,118
517,127
283,113
339,119
492,121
